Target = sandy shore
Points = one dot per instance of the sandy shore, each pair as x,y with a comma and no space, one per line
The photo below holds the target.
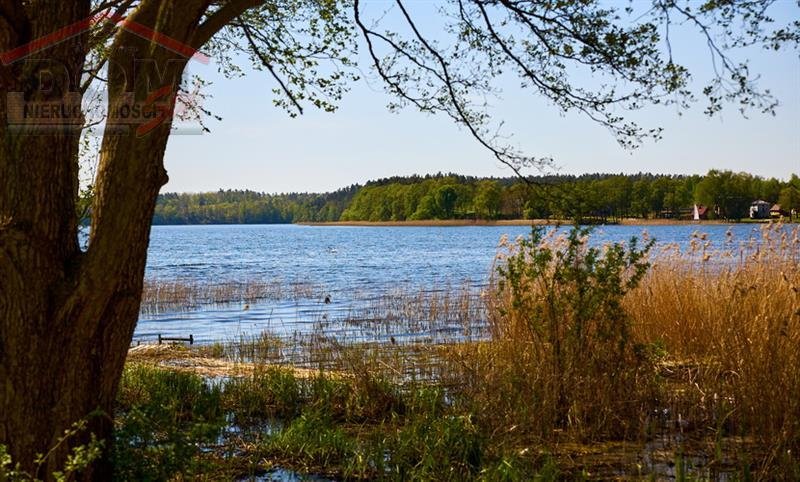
510,222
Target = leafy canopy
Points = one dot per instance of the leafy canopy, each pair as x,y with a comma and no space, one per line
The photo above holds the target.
446,57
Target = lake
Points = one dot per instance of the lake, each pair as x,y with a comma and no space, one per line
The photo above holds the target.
367,272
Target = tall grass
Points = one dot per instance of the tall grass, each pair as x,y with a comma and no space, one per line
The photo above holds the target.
164,417
183,294
593,344
730,321
615,358
561,357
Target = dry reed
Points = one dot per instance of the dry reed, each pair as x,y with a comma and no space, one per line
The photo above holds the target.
702,351
185,294
707,355
729,321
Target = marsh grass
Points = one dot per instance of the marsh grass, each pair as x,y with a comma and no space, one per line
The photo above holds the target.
265,348
270,392
163,418
730,322
418,310
178,424
586,364
184,294
700,353
561,358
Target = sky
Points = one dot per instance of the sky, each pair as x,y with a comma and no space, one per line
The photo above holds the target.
259,147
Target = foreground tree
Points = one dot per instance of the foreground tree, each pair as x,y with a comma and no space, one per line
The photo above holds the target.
67,314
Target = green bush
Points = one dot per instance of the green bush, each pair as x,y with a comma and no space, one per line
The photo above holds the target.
78,459
563,349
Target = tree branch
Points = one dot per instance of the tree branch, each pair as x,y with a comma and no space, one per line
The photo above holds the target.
221,18
501,154
105,32
265,61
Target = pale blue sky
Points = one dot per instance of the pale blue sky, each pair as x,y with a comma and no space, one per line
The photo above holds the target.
259,147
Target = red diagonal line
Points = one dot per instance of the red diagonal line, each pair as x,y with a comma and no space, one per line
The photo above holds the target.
158,93
163,111
82,26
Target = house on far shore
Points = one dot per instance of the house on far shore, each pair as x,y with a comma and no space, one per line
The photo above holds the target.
776,212
759,210
700,212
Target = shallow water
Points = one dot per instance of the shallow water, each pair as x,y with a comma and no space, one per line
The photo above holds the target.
283,475
355,266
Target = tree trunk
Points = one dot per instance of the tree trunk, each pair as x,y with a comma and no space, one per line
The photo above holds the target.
67,321
66,316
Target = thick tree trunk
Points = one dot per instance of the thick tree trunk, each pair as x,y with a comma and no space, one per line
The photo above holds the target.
38,251
66,316
67,322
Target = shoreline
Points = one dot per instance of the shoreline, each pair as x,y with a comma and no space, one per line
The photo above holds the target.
520,222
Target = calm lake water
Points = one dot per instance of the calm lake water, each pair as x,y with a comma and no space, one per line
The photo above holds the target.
360,268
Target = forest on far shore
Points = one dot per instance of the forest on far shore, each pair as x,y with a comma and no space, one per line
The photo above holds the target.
601,197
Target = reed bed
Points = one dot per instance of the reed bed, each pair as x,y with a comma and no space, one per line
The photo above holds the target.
402,363
186,294
729,323
400,310
448,304
684,352
608,362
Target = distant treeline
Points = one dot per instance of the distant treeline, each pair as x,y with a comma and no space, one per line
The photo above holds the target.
250,207
605,197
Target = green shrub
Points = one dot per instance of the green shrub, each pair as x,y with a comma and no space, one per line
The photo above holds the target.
77,460
562,354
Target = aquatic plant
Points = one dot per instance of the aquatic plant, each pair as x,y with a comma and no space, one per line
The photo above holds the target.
561,355
730,320
164,418
596,362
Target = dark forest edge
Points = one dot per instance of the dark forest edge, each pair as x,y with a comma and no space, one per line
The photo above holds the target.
605,198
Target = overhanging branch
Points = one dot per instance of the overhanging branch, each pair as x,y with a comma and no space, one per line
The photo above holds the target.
218,20
268,65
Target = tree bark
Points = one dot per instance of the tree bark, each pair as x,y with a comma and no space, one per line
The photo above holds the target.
66,316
